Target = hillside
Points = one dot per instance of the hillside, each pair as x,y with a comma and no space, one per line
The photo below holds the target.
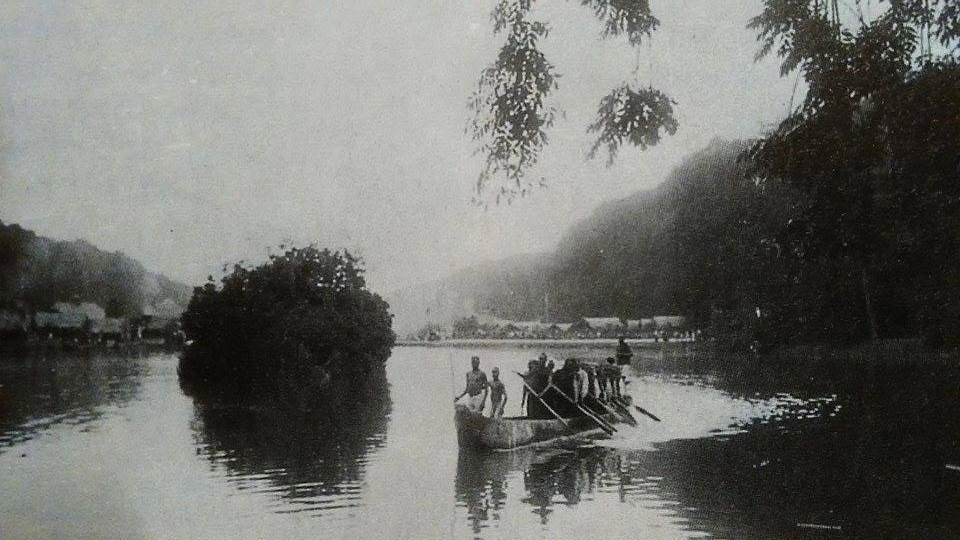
37,272
679,248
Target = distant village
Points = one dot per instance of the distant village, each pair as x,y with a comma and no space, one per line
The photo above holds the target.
658,328
71,325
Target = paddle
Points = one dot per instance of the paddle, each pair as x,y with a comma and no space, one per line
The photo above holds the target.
600,422
553,412
625,415
646,412
625,412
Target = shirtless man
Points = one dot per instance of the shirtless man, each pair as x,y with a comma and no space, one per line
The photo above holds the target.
477,387
614,374
498,394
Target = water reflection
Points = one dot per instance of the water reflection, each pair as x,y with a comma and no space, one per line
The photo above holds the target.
39,393
547,480
306,460
785,473
871,462
481,484
864,456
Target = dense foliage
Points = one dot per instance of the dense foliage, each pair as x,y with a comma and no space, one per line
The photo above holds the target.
695,244
36,272
293,324
512,110
875,150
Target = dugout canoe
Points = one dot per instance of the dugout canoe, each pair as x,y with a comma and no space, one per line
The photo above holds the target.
474,430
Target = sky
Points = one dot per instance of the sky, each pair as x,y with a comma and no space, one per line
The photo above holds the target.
193,134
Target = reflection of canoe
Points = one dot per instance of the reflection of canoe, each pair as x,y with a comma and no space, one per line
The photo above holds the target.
474,430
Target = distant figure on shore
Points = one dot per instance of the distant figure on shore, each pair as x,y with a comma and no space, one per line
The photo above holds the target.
477,387
498,394
624,353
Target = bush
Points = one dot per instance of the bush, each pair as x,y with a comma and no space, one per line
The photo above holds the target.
286,328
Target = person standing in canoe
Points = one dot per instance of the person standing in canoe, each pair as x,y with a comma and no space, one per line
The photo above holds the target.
537,380
498,394
563,399
477,387
591,379
582,381
613,378
624,353
600,372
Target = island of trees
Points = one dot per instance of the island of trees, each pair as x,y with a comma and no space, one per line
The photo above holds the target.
286,329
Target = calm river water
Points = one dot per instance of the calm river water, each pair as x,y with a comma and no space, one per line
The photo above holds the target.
112,448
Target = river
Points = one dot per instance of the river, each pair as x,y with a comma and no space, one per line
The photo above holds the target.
112,448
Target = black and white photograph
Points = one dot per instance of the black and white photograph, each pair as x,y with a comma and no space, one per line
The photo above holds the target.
479,269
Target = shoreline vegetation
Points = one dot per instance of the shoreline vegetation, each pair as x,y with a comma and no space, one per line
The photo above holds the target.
530,343
73,296
736,258
56,348
820,361
285,330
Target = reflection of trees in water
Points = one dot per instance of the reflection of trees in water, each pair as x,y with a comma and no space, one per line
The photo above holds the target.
550,477
39,393
312,458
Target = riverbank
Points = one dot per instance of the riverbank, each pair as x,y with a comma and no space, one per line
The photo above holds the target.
540,343
56,348
686,351
800,368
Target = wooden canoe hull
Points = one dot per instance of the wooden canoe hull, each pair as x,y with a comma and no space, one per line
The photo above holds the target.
474,430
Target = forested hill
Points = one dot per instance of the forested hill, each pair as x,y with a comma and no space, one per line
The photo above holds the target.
680,248
36,272
676,249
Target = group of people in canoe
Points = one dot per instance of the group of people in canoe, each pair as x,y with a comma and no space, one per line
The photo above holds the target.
548,392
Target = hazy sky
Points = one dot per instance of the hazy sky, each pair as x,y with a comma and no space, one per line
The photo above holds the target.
188,135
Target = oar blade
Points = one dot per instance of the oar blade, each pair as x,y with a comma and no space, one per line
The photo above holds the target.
646,412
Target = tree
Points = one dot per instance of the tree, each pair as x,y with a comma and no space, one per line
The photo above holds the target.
293,324
512,105
580,326
852,146
466,327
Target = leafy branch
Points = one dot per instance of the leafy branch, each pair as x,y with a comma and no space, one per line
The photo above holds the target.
512,113
634,116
